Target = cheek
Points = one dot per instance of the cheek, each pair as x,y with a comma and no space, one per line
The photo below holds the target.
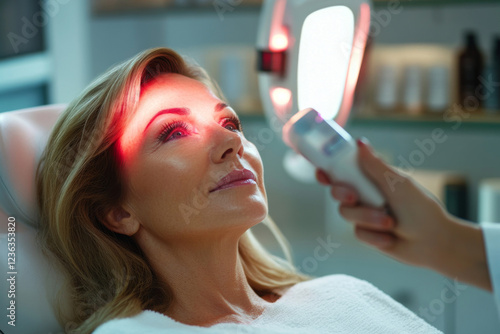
256,161
160,184
254,155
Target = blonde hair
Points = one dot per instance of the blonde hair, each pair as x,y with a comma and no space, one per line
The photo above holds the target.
78,181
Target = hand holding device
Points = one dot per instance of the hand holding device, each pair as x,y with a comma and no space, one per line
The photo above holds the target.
329,147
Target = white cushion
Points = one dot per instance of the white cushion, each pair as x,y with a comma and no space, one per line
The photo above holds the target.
23,136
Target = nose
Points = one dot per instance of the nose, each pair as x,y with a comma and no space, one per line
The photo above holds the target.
226,145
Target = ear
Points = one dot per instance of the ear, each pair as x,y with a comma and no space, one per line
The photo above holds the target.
121,221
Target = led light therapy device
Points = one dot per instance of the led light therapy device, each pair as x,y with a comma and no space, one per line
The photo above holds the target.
328,146
309,56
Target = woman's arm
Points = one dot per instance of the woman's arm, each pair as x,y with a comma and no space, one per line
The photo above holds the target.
464,258
418,231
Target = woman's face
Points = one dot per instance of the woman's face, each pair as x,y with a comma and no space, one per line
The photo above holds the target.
179,149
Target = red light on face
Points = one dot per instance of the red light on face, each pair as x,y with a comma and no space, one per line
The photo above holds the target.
281,96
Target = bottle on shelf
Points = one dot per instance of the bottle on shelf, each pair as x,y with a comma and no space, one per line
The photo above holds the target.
470,69
438,94
412,90
386,98
492,80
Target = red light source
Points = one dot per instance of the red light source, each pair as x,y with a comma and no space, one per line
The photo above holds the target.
281,96
268,61
279,40
273,57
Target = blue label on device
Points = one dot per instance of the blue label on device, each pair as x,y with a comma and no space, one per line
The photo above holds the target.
332,145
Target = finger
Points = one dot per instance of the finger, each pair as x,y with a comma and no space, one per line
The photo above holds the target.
383,176
368,217
381,240
322,177
344,194
369,226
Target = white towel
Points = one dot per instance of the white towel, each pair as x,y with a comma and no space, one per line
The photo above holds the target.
329,304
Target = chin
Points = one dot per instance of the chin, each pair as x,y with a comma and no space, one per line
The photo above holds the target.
257,214
249,215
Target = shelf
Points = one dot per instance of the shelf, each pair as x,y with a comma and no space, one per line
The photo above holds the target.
248,114
157,7
432,3
479,119
126,7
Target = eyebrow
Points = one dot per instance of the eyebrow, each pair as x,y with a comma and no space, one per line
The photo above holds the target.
182,111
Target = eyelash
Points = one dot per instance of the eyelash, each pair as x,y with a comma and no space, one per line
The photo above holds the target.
169,128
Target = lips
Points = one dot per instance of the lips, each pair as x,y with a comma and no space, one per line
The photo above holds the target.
235,178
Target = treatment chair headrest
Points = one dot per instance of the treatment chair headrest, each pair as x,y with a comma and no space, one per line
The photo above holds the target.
32,280
23,136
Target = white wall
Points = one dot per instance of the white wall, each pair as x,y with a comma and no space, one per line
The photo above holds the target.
68,42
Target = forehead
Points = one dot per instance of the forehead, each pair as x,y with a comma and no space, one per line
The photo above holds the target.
173,86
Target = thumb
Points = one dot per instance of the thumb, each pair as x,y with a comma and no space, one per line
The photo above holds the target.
382,175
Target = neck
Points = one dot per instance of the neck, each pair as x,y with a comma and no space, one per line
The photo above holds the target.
207,280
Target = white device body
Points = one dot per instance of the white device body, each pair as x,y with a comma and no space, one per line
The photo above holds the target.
328,146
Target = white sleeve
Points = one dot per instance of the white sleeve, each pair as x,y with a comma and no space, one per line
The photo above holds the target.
491,234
